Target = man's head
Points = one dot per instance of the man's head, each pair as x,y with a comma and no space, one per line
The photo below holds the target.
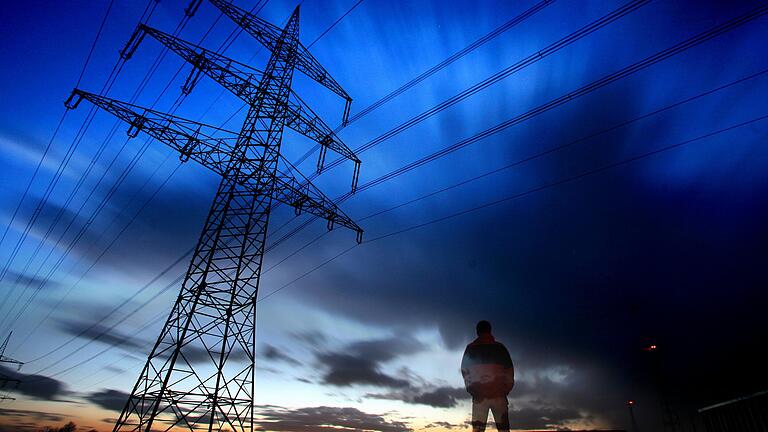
483,327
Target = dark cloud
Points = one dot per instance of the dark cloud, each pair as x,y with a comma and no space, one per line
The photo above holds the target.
442,397
384,350
360,362
567,393
108,399
34,386
68,224
269,370
542,403
194,354
541,418
13,278
116,370
12,420
163,229
579,276
37,415
313,338
345,370
114,400
271,352
439,397
444,425
101,333
324,419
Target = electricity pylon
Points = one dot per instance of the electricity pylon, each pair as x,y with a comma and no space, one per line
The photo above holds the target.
200,372
4,379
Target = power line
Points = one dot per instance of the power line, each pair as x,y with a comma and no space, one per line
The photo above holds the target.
125,302
434,69
123,176
534,156
581,91
531,59
81,347
334,23
65,161
453,58
140,307
502,74
58,126
117,184
568,97
37,210
567,145
239,214
523,194
485,174
115,309
32,179
515,196
572,178
223,46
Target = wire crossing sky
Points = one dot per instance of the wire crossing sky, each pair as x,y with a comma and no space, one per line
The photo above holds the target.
588,176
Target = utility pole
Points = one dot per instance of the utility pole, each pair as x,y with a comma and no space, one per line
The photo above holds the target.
631,406
4,379
671,422
200,372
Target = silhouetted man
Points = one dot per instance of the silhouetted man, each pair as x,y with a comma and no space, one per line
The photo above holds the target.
488,376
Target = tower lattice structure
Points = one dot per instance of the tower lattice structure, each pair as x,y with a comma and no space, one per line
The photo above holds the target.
200,372
5,379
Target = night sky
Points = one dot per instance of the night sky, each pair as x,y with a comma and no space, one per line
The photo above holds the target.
634,214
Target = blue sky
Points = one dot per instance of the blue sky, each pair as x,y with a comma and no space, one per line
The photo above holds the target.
595,259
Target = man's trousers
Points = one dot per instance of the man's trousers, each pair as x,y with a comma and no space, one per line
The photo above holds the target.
498,407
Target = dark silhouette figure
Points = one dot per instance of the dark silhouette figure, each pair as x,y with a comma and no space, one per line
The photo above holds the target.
489,377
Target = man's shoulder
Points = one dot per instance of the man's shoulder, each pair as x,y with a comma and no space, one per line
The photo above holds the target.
500,345
493,343
493,346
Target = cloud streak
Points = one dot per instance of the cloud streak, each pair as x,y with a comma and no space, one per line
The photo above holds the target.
324,419
38,387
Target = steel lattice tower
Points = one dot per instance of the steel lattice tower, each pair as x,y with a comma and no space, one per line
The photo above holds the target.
4,380
200,372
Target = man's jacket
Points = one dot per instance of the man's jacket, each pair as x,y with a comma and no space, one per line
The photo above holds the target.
487,368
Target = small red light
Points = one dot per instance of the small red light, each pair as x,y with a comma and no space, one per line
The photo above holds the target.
630,402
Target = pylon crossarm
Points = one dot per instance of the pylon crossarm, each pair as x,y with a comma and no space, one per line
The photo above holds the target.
305,197
265,32
4,345
268,34
243,81
187,137
302,119
237,77
191,139
298,193
4,359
